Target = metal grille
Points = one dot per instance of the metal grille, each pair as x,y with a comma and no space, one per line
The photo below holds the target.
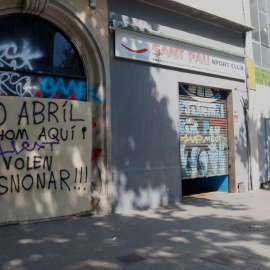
130,259
225,259
250,227
203,132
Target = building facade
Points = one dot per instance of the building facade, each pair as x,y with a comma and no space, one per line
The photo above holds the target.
54,82
109,107
259,43
178,96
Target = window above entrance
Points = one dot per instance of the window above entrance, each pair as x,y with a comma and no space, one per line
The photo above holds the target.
37,60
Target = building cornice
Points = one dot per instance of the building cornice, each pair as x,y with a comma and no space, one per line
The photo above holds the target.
190,11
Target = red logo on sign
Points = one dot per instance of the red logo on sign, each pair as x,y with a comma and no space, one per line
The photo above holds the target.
134,51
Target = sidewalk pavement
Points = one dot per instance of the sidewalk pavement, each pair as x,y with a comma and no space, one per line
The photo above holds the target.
220,231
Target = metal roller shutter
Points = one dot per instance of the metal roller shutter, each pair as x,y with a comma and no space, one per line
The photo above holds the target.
203,132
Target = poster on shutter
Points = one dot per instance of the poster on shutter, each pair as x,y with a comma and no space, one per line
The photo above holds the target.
203,132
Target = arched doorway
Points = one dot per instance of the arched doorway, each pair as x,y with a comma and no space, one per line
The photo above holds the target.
75,68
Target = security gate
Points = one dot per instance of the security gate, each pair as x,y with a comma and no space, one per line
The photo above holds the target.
203,132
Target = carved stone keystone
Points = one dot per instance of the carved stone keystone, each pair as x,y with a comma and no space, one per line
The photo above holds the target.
36,7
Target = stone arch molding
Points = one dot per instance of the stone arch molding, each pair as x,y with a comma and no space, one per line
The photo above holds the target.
87,42
35,6
75,26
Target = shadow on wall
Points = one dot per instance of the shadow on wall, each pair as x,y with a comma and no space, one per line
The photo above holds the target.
259,128
241,145
243,128
264,147
145,140
144,104
145,144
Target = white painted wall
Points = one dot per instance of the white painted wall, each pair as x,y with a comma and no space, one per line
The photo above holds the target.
229,9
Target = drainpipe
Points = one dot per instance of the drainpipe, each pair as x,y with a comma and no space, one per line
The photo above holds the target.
246,105
247,116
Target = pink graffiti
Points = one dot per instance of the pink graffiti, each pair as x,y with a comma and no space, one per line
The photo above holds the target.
72,97
94,124
56,96
95,153
216,122
38,93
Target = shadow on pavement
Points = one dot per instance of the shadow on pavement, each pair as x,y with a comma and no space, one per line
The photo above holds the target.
194,234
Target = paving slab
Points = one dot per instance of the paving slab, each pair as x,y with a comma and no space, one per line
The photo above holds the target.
212,231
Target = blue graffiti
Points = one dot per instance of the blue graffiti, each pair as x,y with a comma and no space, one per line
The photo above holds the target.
189,129
183,157
181,105
193,160
212,130
204,162
95,94
222,111
187,105
213,155
182,126
217,96
192,129
53,86
25,146
205,126
216,110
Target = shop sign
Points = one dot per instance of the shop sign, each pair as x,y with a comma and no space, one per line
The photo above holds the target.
166,52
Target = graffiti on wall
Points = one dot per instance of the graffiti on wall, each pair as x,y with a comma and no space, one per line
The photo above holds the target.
52,86
15,57
14,84
44,145
203,135
34,85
